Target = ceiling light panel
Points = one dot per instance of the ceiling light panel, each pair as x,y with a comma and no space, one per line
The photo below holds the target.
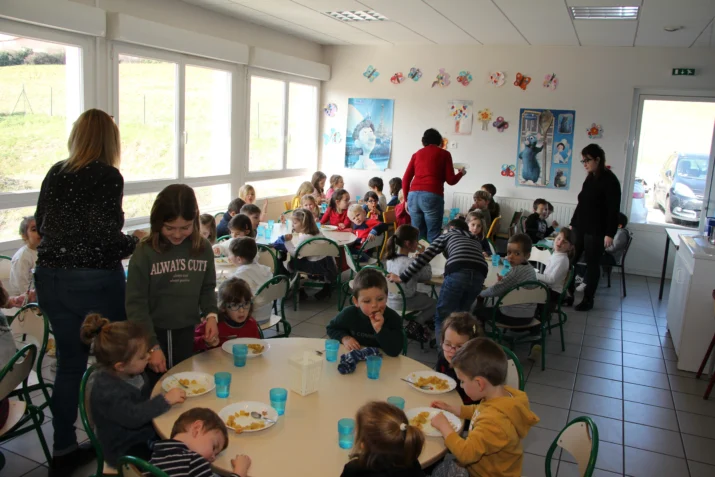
604,13
357,16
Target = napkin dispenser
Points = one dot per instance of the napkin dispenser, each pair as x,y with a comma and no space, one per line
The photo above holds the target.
306,369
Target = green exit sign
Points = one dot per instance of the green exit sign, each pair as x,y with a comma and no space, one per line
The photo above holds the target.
683,72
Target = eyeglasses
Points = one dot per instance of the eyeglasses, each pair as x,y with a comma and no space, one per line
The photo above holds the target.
584,161
238,306
449,347
371,201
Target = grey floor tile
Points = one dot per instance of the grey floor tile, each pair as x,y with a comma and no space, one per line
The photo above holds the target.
603,332
600,370
16,465
637,337
696,424
669,354
600,386
639,328
604,322
550,417
598,405
663,331
693,404
641,463
672,368
601,355
653,439
642,349
643,362
606,304
549,395
567,469
699,449
610,457
688,385
639,310
42,471
561,363
646,378
602,343
609,430
533,465
552,377
569,338
27,445
647,395
666,342
611,315
322,318
636,318
538,440
650,415
576,328
698,469
661,322
308,330
554,348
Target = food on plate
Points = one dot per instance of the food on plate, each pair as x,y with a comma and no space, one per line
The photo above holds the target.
254,426
198,391
433,382
256,348
420,420
187,385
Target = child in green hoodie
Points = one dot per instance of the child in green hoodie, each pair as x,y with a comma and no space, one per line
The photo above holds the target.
171,279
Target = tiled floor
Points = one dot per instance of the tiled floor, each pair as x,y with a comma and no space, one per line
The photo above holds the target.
618,368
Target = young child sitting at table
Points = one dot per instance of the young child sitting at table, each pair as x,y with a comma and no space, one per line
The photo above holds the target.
23,262
235,315
386,445
208,227
395,188
402,217
234,208
482,199
477,227
494,209
336,182
305,188
369,323
248,194
372,206
308,202
199,435
457,329
499,422
120,396
242,253
376,185
365,229
318,181
535,226
337,213
254,213
240,226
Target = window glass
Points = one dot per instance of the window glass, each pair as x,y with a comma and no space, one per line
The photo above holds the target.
302,126
209,197
265,151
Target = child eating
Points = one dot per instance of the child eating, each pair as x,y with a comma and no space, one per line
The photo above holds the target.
372,206
477,227
457,329
365,229
494,209
402,216
376,185
535,226
240,226
24,259
395,188
337,213
248,194
318,181
309,202
305,188
242,253
253,212
482,199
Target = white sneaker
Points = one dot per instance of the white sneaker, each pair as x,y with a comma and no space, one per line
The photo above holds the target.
581,287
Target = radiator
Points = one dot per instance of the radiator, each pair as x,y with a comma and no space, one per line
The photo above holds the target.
508,205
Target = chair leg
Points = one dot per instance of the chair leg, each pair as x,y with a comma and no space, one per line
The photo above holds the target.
608,274
710,386
705,359
543,349
561,330
38,427
623,280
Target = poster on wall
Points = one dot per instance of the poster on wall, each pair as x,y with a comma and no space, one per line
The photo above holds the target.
545,148
459,113
368,139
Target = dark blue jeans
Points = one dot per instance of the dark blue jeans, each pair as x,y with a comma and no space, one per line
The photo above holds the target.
426,210
66,296
458,293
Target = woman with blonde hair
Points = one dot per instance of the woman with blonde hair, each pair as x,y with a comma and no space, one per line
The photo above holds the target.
80,218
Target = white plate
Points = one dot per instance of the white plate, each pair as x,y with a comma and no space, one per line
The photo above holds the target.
222,261
248,406
203,380
228,346
460,165
427,428
329,227
425,374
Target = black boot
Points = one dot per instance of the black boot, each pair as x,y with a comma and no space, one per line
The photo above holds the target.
585,305
63,465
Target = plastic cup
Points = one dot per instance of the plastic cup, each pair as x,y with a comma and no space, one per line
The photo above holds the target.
495,260
240,354
271,223
346,433
397,401
223,384
374,363
319,225
331,350
278,400
445,221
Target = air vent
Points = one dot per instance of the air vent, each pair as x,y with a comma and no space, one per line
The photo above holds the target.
604,13
357,16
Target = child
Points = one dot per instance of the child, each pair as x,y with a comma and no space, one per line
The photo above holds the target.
494,209
404,242
318,182
248,194
457,329
120,398
536,227
402,217
376,185
613,254
23,262
242,253
498,423
336,182
395,188
172,278
372,206
365,229
240,226
369,323
385,444
208,227
477,226
557,269
310,203
304,189
235,315
482,199
254,213
464,271
337,213
234,208
198,436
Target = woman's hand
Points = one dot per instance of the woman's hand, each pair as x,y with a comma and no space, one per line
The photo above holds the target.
607,241
157,361
211,329
463,171
350,343
175,396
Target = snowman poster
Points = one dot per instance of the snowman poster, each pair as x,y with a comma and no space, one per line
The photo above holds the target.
368,138
545,148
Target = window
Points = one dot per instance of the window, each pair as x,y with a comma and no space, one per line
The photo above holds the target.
138,206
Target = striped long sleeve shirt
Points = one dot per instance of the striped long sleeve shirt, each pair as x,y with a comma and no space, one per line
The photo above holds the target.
518,274
463,251
177,460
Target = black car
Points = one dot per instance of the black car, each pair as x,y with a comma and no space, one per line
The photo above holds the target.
680,185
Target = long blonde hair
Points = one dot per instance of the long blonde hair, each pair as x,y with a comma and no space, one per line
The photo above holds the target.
306,219
244,190
94,137
305,188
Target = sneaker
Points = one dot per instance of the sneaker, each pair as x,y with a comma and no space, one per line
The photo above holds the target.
579,279
581,288
535,354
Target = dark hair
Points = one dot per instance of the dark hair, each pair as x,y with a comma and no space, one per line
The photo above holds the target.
244,247
570,237
524,241
336,197
622,219
307,220
25,225
482,357
395,185
372,195
241,222
210,420
482,194
334,179
460,224
561,144
538,202
368,278
491,189
376,182
315,180
250,209
404,233
380,443
549,206
595,152
175,201
208,220
231,291
236,204
114,342
432,137
462,323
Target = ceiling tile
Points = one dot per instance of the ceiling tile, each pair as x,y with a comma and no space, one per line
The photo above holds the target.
705,39
546,22
481,19
606,32
693,15
393,32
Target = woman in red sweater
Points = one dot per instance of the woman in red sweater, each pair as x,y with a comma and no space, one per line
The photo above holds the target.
423,184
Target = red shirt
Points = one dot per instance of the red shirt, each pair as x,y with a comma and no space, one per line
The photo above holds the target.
402,217
333,218
226,332
428,170
364,229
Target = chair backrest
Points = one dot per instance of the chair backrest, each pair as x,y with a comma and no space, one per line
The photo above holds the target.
522,224
223,238
134,467
515,218
352,263
5,266
540,256
492,247
376,243
318,247
622,261
514,372
494,228
218,216
17,369
389,216
267,257
30,321
288,205
567,283
274,289
580,439
525,293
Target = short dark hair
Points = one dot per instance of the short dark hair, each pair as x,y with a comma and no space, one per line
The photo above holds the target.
372,195
235,205
460,224
538,202
376,182
395,185
210,420
240,222
482,194
595,152
549,206
524,241
231,291
491,189
368,278
244,247
432,137
622,219
250,209
482,357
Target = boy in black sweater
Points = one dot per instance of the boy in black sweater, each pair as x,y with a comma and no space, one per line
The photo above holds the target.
234,208
536,226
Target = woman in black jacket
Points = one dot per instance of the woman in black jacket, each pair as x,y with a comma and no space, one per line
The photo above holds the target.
595,219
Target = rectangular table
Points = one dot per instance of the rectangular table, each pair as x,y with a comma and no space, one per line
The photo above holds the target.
672,235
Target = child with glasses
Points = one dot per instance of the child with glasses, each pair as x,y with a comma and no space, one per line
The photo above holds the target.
457,329
372,206
235,316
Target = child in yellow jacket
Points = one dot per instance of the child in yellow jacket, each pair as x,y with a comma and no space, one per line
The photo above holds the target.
498,423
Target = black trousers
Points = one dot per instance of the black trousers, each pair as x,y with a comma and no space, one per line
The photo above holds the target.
592,248
177,345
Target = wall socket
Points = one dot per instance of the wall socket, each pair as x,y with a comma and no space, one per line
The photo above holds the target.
454,145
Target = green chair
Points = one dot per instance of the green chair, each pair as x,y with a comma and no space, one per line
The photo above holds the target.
275,289
377,244
134,467
580,439
218,216
354,266
5,266
23,417
267,257
315,247
103,469
223,238
559,311
514,373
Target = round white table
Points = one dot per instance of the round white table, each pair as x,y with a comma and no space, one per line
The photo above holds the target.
304,441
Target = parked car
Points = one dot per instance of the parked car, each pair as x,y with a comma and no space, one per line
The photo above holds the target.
639,211
680,185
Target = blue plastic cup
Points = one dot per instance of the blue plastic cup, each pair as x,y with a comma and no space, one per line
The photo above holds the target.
223,384
397,401
374,363
278,400
495,260
240,354
331,350
445,221
319,225
357,198
346,433
271,223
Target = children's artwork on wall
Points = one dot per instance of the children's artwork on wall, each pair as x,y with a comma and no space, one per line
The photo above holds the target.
485,115
522,81
545,148
500,124
368,139
333,137
442,79
331,109
595,131
371,73
508,170
551,81
397,78
464,78
497,78
460,113
415,74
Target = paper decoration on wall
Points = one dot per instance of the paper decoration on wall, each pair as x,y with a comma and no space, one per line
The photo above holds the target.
331,109
442,79
445,142
397,78
508,170
522,81
368,139
415,74
544,148
500,124
551,81
497,78
464,78
485,115
595,131
371,73
333,137
460,112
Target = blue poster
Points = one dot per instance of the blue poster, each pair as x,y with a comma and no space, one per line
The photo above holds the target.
368,139
545,149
